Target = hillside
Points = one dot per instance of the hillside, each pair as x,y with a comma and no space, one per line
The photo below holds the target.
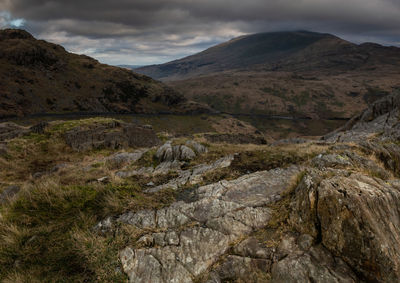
286,73
102,200
40,77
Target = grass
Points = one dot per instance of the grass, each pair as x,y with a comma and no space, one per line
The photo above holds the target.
46,234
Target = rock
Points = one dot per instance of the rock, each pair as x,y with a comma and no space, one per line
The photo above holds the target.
10,130
191,176
39,128
199,232
186,153
104,225
169,153
197,147
235,268
119,159
104,180
356,218
112,135
250,247
9,193
380,120
167,166
145,171
318,265
164,152
58,167
38,175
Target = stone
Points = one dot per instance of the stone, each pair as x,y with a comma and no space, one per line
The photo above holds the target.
197,147
119,159
104,180
192,176
195,234
10,130
169,153
114,135
39,128
317,266
356,218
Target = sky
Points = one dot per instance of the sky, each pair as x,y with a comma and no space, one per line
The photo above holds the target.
141,32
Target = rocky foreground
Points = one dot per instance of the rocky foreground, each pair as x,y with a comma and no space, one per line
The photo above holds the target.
184,210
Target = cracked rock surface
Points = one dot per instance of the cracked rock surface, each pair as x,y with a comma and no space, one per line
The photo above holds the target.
192,236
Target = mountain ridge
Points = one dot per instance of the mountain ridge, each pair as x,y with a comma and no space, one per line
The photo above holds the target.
41,77
277,50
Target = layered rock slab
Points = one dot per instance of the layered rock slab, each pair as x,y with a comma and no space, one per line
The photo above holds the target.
190,237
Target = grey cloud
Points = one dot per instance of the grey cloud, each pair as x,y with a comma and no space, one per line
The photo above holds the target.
162,30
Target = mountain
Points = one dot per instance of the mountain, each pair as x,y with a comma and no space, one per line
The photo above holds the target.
284,51
298,73
40,77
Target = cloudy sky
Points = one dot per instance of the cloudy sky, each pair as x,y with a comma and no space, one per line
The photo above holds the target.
140,32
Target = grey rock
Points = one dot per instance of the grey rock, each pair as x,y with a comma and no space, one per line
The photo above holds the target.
197,147
119,159
316,266
380,120
10,130
199,232
105,225
113,135
242,268
169,153
192,176
251,247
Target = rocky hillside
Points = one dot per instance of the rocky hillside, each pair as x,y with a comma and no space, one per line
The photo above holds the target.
38,77
190,210
286,73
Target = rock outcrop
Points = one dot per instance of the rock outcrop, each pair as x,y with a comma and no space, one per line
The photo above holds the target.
113,135
189,238
356,218
380,120
10,130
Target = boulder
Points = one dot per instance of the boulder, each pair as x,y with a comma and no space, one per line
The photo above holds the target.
169,153
357,218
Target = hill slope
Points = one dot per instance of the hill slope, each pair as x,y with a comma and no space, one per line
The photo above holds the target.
284,51
286,73
41,77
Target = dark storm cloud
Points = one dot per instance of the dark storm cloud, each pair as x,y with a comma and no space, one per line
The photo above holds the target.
149,31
